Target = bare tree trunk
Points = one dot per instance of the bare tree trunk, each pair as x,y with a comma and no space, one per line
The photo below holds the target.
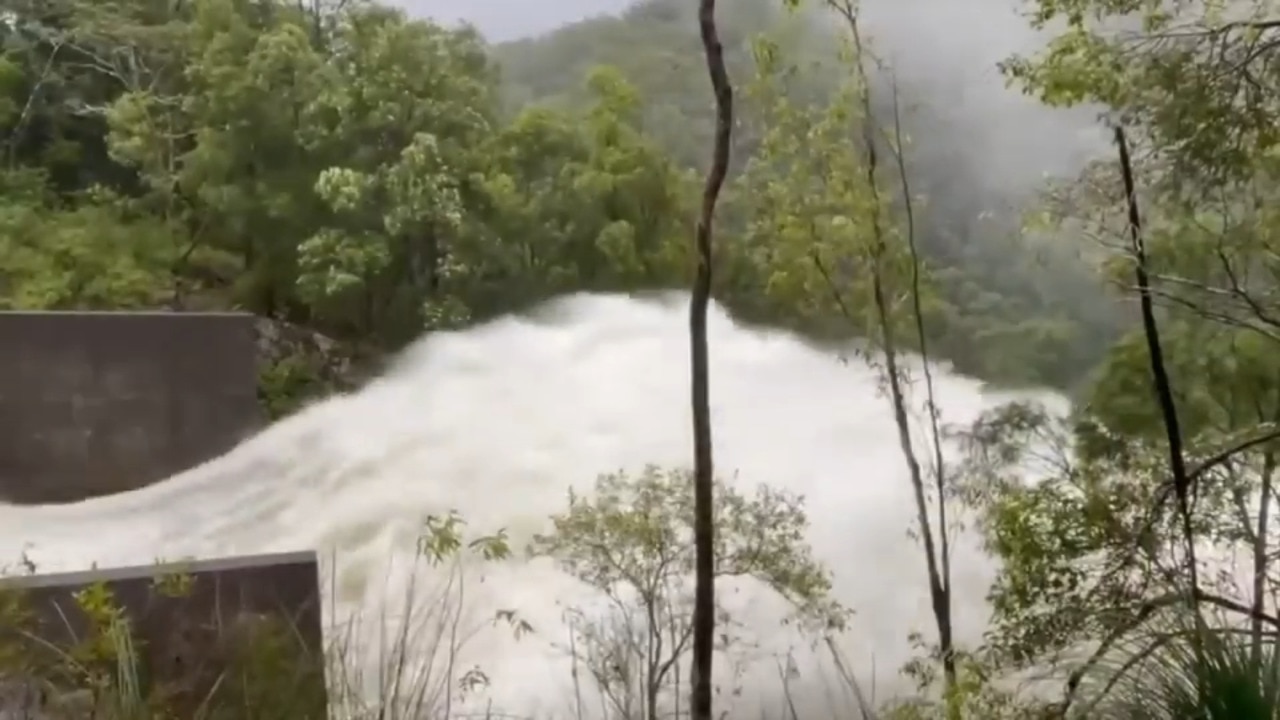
937,552
704,471
1163,389
940,580
1260,561
1161,384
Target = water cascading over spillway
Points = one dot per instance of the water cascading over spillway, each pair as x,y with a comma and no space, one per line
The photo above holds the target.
498,423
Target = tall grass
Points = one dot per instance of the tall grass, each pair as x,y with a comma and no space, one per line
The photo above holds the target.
402,663
1165,676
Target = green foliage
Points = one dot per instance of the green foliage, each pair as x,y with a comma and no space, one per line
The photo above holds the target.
284,385
89,661
637,531
1005,307
632,539
1192,77
259,667
1224,379
1090,558
444,537
815,224
1089,548
372,176
91,256
1168,679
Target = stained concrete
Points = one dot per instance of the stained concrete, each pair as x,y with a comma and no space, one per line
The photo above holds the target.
98,403
213,632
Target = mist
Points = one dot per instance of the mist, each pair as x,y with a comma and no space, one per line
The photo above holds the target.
503,20
944,56
499,422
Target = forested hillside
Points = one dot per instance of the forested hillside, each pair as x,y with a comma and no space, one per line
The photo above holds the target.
373,177
1014,306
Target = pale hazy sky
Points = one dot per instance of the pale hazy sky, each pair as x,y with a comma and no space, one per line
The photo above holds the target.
509,19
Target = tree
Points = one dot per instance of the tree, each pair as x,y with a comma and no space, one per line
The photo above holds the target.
1190,87
631,539
585,199
417,644
993,287
1091,530
827,224
703,468
1193,78
260,155
92,257
404,235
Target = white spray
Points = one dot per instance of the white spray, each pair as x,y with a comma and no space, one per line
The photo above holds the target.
498,423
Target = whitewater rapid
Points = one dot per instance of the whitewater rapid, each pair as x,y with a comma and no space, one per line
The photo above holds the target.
498,422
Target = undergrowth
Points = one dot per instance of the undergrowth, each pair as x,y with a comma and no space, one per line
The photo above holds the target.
89,662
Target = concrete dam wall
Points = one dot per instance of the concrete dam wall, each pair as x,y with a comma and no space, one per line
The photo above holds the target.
98,403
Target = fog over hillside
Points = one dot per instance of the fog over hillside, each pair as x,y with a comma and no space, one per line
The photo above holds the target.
979,151
944,51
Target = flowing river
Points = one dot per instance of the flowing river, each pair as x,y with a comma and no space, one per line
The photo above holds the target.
498,422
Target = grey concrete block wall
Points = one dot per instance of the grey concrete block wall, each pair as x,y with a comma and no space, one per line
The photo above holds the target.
193,626
97,403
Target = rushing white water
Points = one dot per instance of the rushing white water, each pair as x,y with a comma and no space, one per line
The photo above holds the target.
498,422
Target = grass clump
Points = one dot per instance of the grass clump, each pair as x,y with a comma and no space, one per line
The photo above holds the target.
89,653
1182,671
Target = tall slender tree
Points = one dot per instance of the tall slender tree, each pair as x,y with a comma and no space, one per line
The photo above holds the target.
704,471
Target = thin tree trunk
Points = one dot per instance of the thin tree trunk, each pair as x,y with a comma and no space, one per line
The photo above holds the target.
1161,384
704,471
942,593
1163,388
1260,557
938,573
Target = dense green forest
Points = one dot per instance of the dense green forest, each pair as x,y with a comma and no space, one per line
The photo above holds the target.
372,176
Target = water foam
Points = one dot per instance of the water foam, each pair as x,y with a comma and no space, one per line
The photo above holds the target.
498,422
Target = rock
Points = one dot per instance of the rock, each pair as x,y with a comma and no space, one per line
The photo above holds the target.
297,364
331,361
